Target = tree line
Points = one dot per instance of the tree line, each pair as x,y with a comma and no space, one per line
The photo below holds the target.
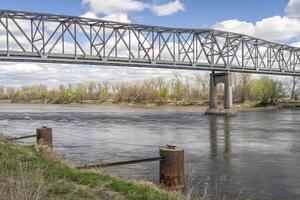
263,90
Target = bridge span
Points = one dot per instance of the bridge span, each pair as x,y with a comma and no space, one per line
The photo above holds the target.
50,38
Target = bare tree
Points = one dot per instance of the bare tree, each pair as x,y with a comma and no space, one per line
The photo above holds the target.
203,81
292,85
242,86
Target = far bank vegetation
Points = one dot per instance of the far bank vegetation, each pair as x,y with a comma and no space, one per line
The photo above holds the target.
178,90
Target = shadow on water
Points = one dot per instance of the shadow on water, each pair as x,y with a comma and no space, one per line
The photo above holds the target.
216,142
216,168
219,128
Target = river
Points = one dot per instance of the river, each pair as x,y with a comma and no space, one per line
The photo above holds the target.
254,154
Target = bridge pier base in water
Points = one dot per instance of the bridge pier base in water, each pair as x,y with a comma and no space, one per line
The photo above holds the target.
215,79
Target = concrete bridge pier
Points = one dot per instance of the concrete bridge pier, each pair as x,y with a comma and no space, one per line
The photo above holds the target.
215,79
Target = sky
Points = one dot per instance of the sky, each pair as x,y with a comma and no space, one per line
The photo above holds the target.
273,20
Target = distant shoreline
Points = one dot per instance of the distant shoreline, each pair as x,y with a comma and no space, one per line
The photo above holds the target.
200,104
97,102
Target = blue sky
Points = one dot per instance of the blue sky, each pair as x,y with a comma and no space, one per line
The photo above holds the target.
274,20
198,13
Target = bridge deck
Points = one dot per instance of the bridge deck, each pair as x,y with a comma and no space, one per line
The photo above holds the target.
48,38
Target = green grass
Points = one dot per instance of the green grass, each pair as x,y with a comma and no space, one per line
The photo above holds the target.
27,174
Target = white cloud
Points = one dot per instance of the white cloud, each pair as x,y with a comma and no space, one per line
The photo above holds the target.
109,7
293,8
119,17
278,28
296,44
21,68
113,10
90,15
235,26
117,10
168,8
275,28
53,75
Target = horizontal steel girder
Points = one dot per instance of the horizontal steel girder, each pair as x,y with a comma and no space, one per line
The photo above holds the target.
48,38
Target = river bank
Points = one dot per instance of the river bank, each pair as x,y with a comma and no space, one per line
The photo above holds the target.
202,105
28,173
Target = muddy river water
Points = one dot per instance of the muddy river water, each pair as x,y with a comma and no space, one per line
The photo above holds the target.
256,153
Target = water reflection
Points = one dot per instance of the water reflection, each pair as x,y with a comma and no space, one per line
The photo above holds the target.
215,140
220,167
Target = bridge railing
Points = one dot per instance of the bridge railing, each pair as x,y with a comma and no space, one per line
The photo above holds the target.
41,37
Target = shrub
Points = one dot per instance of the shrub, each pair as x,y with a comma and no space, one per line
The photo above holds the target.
266,90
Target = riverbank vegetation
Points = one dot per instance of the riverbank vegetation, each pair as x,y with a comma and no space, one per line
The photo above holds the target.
28,174
178,90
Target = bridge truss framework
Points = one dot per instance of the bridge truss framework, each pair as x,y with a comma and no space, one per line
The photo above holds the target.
48,38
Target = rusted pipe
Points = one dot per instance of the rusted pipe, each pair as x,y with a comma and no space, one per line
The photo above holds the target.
128,162
22,137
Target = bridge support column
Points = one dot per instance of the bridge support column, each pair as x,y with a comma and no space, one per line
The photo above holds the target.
228,102
213,93
215,79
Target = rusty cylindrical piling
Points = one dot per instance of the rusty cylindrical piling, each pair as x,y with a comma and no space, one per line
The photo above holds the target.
172,167
44,136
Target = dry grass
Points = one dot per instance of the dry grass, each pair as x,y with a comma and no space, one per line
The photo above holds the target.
20,185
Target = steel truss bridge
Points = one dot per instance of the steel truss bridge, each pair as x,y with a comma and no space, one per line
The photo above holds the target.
49,38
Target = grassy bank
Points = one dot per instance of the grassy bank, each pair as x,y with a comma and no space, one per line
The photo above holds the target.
282,103
28,174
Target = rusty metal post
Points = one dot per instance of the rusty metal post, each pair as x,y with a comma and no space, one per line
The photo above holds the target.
172,167
44,136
